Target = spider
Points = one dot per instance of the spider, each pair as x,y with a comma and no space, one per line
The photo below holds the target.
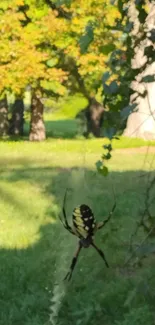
84,227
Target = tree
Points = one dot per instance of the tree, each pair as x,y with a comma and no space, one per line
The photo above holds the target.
142,122
57,48
37,127
21,62
25,57
129,81
3,117
129,86
16,123
93,114
127,68
86,53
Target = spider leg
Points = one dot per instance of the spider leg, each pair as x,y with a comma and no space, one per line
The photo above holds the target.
64,212
101,253
74,260
103,223
67,226
65,222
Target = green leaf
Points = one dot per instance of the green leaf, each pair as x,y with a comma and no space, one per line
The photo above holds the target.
54,86
128,27
106,89
103,170
109,132
106,76
4,5
113,87
87,38
52,62
108,48
107,156
149,78
126,111
99,164
108,147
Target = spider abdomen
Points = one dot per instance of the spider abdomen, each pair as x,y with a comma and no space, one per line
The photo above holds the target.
84,221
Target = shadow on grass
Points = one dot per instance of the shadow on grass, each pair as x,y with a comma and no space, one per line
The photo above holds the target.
31,278
56,129
62,128
65,128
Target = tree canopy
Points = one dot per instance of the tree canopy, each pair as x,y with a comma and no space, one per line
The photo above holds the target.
63,47
45,45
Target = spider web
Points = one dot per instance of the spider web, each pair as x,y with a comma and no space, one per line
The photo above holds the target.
59,290
146,169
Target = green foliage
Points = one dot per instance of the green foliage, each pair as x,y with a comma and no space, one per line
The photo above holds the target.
42,28
25,58
149,78
87,38
72,105
52,62
111,89
123,66
103,170
55,87
126,111
116,83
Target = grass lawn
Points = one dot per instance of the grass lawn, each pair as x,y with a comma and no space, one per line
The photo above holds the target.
36,251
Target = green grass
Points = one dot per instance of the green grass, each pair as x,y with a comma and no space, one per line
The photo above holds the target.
60,116
35,250
59,126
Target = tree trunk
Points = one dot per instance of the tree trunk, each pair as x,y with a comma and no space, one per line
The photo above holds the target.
94,116
37,127
4,124
142,122
17,119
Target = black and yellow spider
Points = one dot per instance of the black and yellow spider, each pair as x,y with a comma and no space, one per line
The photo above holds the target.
84,227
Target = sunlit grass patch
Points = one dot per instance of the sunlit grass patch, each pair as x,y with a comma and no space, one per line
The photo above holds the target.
23,207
